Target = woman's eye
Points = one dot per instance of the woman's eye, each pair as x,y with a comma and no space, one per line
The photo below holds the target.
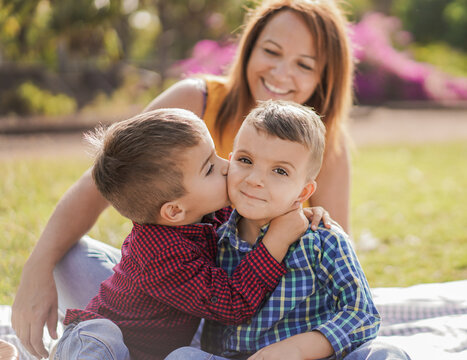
305,66
281,171
271,52
211,168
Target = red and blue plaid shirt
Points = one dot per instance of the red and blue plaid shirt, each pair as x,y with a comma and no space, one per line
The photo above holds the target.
167,280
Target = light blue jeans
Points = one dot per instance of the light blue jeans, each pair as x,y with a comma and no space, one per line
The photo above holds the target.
79,274
372,350
98,339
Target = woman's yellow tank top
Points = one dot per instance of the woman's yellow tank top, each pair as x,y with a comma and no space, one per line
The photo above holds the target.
216,92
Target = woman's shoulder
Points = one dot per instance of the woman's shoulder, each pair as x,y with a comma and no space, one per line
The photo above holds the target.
185,94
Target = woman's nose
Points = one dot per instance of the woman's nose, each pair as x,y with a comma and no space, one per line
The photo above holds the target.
281,70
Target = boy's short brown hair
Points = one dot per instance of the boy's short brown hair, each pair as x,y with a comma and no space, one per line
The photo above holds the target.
137,166
290,121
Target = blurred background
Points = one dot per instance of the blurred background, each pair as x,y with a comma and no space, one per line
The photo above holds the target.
67,65
106,58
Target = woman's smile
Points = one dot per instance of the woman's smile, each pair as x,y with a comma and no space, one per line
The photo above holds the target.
273,89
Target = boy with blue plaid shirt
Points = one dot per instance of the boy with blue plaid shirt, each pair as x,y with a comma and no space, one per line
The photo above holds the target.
322,307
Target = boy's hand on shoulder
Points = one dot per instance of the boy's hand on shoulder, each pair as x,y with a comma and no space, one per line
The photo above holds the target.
290,226
283,231
317,213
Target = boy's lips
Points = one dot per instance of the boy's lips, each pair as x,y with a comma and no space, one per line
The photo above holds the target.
251,196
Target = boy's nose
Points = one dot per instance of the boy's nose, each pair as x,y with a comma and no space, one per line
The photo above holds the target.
254,179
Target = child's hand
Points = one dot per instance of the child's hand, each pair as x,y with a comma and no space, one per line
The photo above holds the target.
290,226
283,231
307,345
280,350
315,214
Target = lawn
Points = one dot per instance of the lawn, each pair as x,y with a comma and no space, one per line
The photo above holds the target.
409,212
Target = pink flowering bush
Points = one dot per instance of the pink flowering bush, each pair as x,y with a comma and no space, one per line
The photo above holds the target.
385,71
208,57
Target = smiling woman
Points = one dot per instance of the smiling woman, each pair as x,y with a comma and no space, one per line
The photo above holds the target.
282,66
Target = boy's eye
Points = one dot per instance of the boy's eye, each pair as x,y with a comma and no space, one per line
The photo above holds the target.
281,171
244,160
211,168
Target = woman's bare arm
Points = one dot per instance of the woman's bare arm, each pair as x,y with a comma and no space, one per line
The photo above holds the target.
333,190
36,300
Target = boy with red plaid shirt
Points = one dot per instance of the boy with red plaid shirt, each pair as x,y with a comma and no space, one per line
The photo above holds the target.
160,170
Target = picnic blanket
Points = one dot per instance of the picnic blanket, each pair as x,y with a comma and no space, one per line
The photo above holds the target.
428,321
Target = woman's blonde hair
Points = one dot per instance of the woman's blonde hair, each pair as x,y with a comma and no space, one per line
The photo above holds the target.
333,96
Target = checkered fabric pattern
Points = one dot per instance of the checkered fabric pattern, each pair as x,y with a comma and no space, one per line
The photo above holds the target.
324,289
168,279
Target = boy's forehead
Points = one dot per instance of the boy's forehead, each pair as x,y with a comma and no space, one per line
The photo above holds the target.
246,130
260,140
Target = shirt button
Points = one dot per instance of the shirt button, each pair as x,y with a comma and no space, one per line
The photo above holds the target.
214,299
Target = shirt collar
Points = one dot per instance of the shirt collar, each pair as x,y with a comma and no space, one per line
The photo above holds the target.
228,234
190,230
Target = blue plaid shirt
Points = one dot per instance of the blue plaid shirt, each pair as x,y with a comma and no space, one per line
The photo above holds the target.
324,289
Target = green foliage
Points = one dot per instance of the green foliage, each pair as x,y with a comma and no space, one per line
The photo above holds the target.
434,20
137,90
443,57
42,102
67,33
357,8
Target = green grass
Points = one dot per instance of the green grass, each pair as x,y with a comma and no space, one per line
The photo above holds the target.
411,198
414,200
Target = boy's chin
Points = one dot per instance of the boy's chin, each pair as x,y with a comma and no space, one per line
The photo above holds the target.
253,215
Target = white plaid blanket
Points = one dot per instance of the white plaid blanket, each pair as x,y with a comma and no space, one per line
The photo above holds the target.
428,321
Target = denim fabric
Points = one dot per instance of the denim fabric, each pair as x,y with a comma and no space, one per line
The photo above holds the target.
98,339
372,350
191,353
79,274
377,350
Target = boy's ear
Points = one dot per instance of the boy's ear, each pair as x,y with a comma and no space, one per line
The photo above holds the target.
230,156
307,191
172,212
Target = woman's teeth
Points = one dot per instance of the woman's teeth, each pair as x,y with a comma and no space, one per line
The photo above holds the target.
274,89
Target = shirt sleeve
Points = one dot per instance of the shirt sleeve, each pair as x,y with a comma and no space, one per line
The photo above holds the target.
184,277
356,318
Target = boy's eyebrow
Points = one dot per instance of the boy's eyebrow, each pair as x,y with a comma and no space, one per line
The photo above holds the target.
279,162
275,43
206,161
287,163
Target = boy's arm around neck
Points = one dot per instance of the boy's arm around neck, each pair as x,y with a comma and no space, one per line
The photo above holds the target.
186,277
